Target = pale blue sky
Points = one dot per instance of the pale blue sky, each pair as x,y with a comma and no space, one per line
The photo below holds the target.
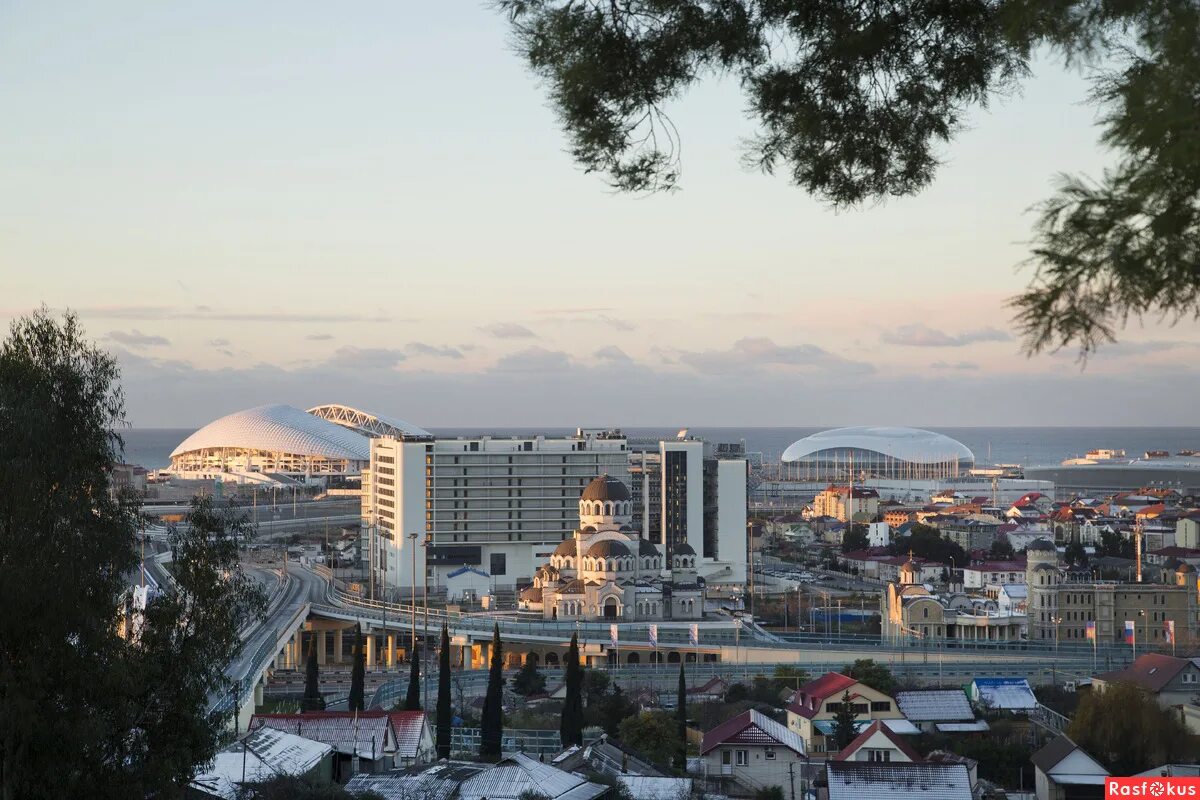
370,203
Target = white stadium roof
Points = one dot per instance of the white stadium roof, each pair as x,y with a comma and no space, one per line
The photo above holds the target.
913,445
365,422
280,429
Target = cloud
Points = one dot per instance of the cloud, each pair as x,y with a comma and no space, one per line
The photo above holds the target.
319,337
508,330
956,365
613,354
218,342
548,389
534,359
136,338
593,316
757,352
422,349
216,315
918,335
1125,348
350,357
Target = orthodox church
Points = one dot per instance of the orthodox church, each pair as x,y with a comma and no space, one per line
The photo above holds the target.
607,571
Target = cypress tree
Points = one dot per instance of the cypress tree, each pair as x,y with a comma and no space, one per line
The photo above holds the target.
443,699
492,725
412,701
357,673
312,701
681,721
571,728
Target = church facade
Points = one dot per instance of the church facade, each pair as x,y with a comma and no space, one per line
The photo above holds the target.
607,572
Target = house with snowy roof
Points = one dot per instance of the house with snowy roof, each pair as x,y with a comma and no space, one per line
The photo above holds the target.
867,780
751,752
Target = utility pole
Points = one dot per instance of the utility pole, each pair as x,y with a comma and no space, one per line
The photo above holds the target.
412,538
792,778
425,624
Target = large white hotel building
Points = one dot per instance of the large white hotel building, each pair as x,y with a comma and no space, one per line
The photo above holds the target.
502,504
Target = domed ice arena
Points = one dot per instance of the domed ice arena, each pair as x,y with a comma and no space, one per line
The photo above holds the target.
281,442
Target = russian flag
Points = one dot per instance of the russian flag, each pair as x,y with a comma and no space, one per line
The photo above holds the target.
1129,631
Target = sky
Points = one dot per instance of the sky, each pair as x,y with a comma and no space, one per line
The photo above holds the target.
370,203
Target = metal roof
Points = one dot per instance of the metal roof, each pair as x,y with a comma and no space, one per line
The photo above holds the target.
367,423
410,727
913,445
437,782
367,733
752,727
648,788
865,780
278,429
514,775
1012,694
260,755
935,705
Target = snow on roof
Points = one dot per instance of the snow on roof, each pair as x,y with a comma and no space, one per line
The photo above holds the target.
865,780
935,705
978,726
409,727
644,788
516,774
259,755
1012,694
751,727
369,734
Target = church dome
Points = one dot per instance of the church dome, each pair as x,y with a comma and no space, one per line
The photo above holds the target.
606,487
1041,546
646,548
565,548
609,547
685,549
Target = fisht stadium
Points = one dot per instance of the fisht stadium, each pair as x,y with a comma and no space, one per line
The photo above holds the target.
909,454
275,442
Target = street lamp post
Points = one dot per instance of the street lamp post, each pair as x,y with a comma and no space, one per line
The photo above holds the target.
425,624
412,537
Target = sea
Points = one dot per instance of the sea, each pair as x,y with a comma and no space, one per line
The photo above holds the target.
1027,446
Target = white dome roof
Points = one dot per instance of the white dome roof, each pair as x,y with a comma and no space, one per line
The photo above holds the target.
281,429
913,445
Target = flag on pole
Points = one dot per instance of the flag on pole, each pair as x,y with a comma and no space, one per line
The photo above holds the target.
612,635
654,636
1171,631
1129,631
693,634
1091,630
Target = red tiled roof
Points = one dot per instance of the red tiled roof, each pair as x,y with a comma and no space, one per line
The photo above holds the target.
408,726
806,701
871,730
